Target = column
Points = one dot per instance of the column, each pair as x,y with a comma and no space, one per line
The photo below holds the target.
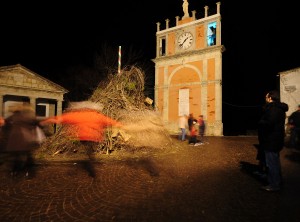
58,112
157,26
218,84
218,7
204,93
177,19
59,107
206,10
33,103
1,106
167,23
156,88
158,41
194,15
166,96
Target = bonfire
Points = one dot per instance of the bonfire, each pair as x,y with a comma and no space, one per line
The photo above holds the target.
120,97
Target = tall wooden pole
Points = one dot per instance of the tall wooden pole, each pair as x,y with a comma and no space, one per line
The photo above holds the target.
119,60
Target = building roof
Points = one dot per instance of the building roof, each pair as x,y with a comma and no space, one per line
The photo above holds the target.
18,76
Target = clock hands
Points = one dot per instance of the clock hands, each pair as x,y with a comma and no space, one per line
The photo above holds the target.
183,42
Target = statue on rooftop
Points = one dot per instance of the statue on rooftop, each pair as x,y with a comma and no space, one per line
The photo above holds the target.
185,7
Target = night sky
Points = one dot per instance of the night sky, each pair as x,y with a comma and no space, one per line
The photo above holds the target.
260,37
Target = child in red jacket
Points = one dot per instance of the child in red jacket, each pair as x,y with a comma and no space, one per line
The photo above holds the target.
193,134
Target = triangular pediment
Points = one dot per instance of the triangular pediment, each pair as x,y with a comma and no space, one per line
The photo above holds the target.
18,76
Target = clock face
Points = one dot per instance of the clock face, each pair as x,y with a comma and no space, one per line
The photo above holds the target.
185,40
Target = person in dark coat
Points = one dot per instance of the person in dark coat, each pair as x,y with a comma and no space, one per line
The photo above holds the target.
19,139
272,132
191,119
260,155
201,123
294,124
193,134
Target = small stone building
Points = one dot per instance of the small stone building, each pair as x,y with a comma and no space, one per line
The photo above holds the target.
19,84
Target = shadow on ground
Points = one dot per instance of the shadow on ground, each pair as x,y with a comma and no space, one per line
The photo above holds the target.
253,171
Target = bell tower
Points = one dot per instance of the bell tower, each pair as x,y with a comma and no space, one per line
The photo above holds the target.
188,69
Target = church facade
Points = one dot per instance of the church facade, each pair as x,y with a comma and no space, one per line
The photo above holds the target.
188,69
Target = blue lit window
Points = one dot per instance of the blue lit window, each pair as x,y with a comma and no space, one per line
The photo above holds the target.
211,33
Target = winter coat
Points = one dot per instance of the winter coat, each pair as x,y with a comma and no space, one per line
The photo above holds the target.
191,119
182,122
193,131
19,131
201,126
294,119
271,127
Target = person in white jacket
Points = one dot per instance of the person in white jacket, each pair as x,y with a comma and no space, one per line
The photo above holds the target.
182,126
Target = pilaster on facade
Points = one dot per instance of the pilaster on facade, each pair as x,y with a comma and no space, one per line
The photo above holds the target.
166,96
59,107
33,103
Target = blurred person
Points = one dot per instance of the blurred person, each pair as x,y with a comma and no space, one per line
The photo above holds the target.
201,128
20,139
294,124
182,126
191,119
1,121
88,126
272,132
193,134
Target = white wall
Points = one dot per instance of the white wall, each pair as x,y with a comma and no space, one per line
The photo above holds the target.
290,88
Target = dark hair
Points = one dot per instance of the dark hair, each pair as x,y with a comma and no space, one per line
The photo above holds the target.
274,95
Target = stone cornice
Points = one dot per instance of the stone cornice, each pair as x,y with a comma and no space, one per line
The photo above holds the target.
202,83
189,53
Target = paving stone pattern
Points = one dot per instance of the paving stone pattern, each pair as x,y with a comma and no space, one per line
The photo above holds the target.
180,183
